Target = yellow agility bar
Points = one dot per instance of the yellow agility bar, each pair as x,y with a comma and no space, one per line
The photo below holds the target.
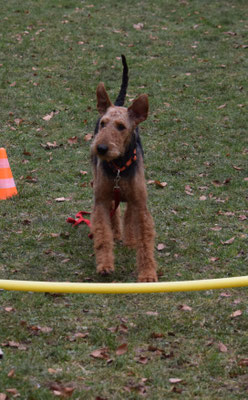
117,288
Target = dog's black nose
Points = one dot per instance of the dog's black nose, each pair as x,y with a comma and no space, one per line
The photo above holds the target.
102,149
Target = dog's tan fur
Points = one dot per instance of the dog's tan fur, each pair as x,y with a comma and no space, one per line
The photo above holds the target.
116,127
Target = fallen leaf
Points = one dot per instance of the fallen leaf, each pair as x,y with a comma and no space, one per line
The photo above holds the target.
213,259
237,168
47,117
88,137
221,107
161,246
203,198
83,173
224,294
61,390
100,353
12,84
184,307
236,314
188,190
243,363
160,184
9,309
141,360
153,313
13,391
122,349
229,241
138,26
53,371
18,121
3,396
176,389
73,140
216,228
222,347
61,199
49,145
31,179
175,380
43,329
230,33
11,373
156,335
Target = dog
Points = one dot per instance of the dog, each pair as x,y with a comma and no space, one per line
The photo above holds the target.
117,159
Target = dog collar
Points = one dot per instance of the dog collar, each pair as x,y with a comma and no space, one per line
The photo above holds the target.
131,160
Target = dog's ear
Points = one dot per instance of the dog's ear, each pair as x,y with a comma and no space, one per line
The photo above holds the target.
103,101
138,111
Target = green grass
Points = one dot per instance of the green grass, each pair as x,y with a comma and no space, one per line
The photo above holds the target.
190,57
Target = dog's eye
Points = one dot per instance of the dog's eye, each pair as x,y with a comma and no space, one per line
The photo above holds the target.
121,127
102,124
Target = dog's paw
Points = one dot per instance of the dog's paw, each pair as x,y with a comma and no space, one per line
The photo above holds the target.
105,269
148,277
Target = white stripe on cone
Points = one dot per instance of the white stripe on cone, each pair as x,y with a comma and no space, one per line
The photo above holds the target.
7,183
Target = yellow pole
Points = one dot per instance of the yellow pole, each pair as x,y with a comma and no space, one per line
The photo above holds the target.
73,287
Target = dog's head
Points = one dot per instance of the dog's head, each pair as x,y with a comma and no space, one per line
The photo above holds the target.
116,124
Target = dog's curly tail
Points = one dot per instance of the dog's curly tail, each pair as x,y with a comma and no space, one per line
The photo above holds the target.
119,102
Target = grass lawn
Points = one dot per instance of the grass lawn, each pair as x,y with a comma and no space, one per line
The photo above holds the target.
190,57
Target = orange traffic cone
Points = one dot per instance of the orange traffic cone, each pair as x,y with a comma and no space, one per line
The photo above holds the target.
7,183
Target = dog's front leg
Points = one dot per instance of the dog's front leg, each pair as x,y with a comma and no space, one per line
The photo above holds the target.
145,245
103,238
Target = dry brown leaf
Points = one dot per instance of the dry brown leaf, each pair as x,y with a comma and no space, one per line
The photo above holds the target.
229,241
13,391
160,184
222,347
100,353
122,349
216,228
61,199
156,335
161,246
18,121
237,168
141,360
225,294
213,259
47,117
243,362
88,137
221,107
138,26
236,314
9,309
152,313
11,373
184,307
175,380
73,140
61,390
50,145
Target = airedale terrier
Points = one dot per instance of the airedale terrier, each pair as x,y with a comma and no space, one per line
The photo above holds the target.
117,157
